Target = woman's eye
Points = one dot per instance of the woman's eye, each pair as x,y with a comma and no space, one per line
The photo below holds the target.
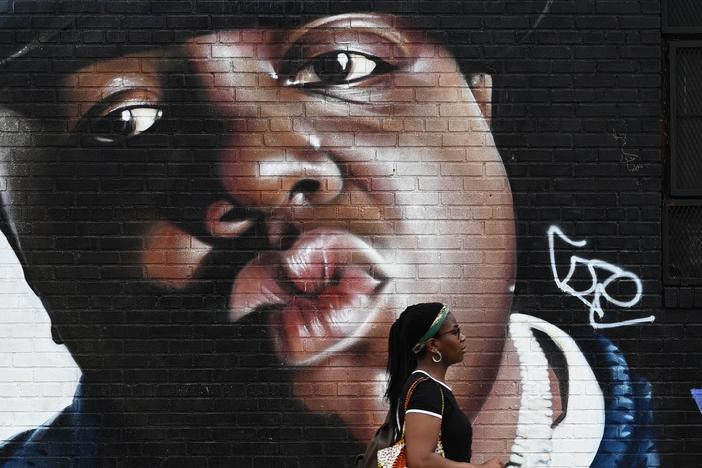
339,68
125,123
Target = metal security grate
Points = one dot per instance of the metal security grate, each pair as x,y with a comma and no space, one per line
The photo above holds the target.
682,16
688,164
682,243
686,118
688,81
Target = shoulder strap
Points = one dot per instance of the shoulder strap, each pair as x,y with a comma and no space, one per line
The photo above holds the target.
441,390
411,390
440,446
407,400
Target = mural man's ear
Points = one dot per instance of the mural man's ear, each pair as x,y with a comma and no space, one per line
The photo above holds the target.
481,85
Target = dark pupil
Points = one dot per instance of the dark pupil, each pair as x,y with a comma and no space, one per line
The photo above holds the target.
119,125
112,123
333,68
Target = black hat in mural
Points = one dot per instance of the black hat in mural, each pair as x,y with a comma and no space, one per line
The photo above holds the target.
36,27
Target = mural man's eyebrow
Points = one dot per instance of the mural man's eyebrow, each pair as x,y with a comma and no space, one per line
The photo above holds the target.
43,30
542,15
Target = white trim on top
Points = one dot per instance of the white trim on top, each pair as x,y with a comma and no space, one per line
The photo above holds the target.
423,412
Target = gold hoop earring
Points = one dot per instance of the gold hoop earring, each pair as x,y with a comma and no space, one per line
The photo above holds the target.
437,357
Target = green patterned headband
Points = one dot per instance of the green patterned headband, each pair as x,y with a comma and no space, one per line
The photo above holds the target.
433,329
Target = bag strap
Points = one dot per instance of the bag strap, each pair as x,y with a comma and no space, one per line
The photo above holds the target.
442,400
441,390
411,390
407,400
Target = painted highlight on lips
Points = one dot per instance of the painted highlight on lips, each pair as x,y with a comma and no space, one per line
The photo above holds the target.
324,290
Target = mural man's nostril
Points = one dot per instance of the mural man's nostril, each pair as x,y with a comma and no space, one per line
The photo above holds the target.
223,219
289,237
305,187
234,214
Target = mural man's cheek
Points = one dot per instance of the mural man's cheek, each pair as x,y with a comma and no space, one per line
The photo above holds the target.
348,386
421,225
171,256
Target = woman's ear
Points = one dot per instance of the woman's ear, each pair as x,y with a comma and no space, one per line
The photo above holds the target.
432,345
481,85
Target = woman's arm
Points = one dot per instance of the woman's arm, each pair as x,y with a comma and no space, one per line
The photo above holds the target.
421,437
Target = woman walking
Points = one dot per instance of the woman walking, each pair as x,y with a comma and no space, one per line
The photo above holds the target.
424,341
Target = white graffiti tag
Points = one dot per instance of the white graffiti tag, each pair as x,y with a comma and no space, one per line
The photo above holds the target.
597,289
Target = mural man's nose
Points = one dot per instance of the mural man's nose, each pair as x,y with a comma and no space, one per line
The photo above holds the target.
275,172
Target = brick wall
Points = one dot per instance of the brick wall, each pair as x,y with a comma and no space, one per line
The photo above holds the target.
214,210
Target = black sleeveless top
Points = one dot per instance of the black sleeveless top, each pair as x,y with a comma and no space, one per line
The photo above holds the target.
456,433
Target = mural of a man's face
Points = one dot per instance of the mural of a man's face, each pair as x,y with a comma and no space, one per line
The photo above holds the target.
267,197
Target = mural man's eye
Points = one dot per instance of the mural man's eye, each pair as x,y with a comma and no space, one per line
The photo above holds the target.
126,123
339,68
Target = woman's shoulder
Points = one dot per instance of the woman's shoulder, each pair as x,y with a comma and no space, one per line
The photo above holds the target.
421,378
417,383
424,386
416,380
426,397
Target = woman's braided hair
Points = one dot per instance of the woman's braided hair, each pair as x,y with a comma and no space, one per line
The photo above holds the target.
410,326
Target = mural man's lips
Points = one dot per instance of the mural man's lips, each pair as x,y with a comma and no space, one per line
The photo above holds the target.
326,288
